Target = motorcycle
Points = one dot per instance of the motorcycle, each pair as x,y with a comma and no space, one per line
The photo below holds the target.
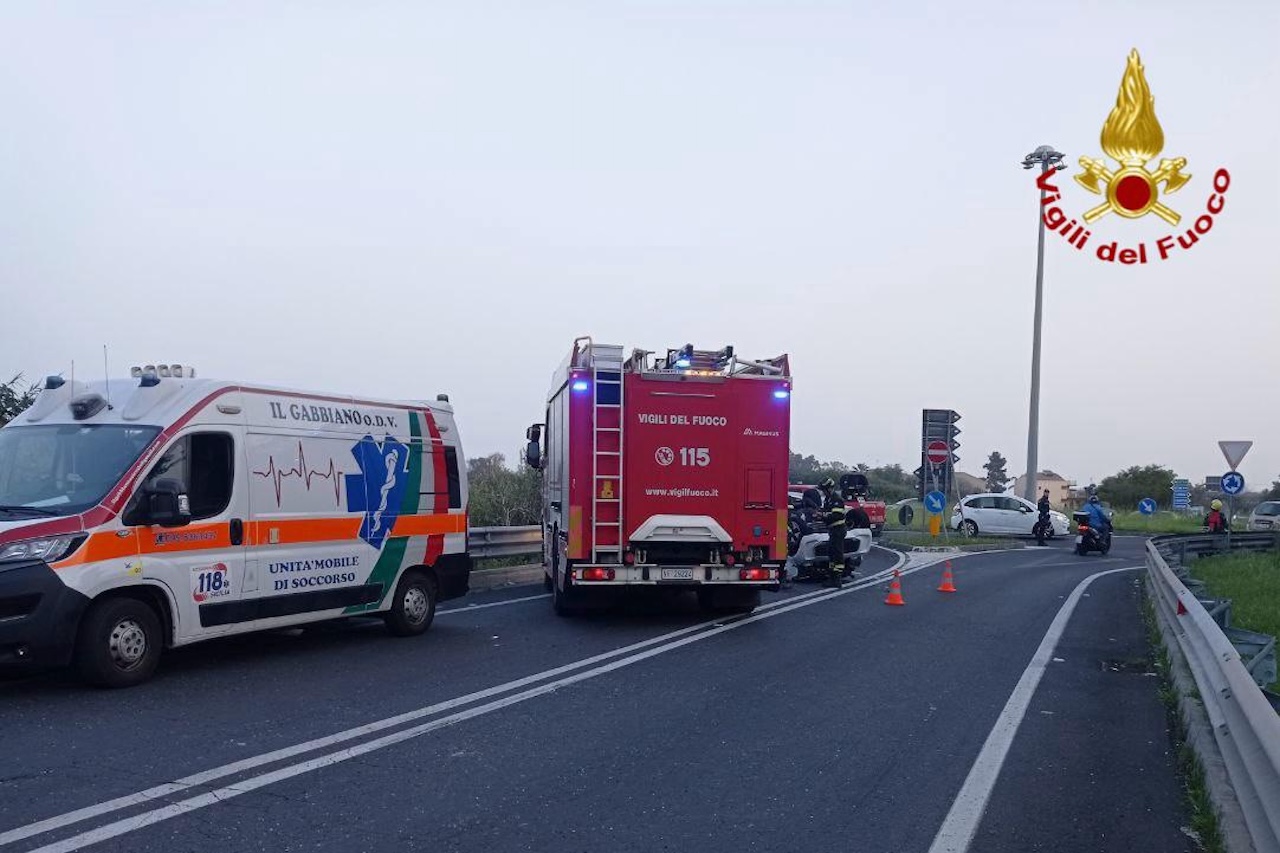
1088,538
1043,530
807,543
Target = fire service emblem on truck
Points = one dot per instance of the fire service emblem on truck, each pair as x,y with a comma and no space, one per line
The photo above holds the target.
1132,137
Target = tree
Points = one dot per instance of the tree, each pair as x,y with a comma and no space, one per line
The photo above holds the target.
1123,490
997,475
14,398
1272,494
889,483
807,469
500,497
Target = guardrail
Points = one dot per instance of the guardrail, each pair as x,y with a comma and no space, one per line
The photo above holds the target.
483,542
1246,729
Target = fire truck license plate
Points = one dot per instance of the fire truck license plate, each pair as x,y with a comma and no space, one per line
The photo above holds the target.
677,574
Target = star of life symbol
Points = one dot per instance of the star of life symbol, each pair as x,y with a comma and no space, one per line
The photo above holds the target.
1132,136
377,489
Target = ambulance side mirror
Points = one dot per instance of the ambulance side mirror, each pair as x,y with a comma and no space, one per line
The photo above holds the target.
168,505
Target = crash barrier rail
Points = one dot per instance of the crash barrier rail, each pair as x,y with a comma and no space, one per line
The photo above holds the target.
1245,726
484,542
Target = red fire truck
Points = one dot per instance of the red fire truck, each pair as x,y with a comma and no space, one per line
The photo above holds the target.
664,470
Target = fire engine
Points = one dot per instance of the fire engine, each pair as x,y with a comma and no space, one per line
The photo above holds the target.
663,470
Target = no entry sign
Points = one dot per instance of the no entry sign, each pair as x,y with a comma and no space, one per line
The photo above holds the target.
937,452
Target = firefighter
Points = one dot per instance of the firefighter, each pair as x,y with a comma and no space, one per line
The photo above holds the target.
830,497
836,528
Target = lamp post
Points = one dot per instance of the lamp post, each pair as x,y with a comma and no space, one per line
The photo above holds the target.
1048,159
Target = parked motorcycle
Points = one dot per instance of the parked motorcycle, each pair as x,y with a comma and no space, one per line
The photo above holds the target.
1088,538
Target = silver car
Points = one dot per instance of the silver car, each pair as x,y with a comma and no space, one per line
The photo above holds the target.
1265,516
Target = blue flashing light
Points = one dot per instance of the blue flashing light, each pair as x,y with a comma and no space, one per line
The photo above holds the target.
581,385
781,393
683,362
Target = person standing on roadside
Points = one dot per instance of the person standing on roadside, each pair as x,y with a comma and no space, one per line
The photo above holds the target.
1217,521
1042,525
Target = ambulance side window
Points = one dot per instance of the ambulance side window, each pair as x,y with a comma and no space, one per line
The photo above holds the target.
455,481
203,464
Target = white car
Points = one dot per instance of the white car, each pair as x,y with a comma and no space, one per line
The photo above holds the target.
1265,516
1005,515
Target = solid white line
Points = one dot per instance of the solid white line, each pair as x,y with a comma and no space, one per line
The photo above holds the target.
244,786
471,607
184,784
957,830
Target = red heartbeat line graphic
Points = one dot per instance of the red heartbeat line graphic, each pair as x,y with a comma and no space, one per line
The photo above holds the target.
301,471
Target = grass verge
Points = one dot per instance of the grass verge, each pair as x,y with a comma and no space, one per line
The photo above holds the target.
1252,582
1195,790
1161,522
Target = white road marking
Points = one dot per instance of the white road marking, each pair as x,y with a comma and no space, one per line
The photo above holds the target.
252,783
184,784
471,607
961,823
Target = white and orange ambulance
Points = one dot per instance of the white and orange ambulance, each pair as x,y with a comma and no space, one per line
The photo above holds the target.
164,509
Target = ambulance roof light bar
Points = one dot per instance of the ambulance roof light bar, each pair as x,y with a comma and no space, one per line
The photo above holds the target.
163,371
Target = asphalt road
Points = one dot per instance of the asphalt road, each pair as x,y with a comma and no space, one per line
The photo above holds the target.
822,722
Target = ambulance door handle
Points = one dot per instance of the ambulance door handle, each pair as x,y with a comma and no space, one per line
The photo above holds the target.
237,531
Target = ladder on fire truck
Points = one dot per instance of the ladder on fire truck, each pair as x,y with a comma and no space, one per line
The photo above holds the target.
607,534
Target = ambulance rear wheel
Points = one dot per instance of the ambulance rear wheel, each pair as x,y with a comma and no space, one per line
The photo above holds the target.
414,606
119,643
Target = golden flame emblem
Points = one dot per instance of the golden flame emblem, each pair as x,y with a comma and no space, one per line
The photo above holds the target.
1132,136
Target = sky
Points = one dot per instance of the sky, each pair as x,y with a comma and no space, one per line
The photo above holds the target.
404,198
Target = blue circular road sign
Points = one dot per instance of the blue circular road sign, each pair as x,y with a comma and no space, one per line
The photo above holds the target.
935,501
1232,483
1147,506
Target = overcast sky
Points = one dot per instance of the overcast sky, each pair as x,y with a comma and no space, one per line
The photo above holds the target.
405,198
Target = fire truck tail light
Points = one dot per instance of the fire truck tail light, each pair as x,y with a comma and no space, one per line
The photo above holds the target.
598,573
756,574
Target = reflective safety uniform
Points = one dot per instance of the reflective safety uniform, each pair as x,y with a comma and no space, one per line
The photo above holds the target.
836,527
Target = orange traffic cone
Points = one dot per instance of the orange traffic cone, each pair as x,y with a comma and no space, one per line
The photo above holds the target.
895,591
947,585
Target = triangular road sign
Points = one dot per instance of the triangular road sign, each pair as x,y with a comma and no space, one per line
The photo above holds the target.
1234,451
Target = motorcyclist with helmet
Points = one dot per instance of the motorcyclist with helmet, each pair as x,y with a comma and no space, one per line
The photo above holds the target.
1099,520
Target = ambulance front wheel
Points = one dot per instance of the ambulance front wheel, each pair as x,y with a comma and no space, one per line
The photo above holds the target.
414,606
119,642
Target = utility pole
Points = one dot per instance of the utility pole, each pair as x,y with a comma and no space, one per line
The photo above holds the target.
1048,158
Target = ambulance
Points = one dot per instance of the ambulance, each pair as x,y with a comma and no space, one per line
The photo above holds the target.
163,509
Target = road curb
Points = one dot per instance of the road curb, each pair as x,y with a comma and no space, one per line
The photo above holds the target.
486,579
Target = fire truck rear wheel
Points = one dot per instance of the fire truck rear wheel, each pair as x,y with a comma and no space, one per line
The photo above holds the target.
565,601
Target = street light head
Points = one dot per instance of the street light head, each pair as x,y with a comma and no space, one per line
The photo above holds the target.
1044,155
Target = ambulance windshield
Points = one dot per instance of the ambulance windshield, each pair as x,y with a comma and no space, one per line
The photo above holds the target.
63,469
